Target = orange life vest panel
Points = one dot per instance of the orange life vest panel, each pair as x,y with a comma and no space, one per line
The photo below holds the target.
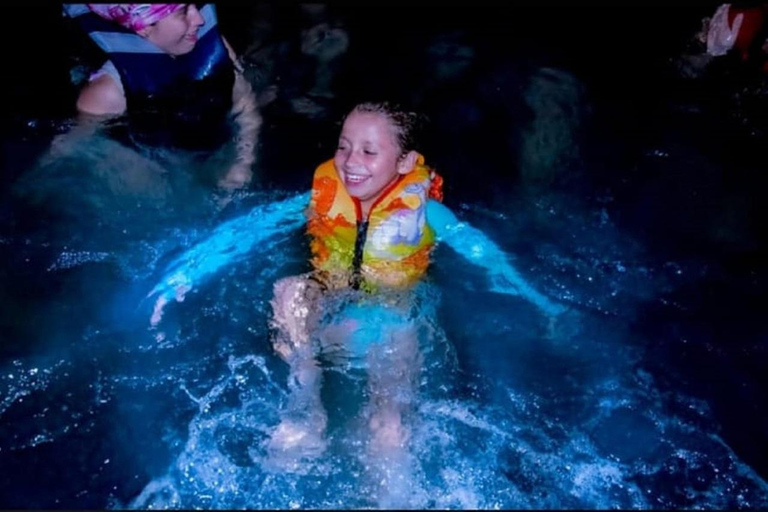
391,247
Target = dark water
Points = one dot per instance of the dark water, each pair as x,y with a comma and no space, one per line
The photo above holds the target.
618,185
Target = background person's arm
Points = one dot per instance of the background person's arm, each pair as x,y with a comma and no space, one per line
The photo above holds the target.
99,101
101,96
248,119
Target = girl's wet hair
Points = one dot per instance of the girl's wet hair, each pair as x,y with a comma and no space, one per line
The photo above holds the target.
408,125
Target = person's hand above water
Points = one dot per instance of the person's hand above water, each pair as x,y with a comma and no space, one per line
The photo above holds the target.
175,287
720,35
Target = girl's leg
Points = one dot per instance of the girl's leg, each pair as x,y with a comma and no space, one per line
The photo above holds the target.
392,378
294,307
303,420
393,373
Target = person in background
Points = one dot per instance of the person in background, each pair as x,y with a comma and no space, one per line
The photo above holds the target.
174,77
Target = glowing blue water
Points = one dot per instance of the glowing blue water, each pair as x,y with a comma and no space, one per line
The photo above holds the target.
99,411
602,409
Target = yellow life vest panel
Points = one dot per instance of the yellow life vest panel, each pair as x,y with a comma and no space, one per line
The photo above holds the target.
391,247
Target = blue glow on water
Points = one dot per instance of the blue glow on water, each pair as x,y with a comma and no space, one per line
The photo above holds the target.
508,413
622,402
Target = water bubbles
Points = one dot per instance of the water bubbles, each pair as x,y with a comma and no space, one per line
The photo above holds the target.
658,153
71,259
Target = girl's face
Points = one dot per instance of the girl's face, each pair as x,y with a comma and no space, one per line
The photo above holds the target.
176,34
368,158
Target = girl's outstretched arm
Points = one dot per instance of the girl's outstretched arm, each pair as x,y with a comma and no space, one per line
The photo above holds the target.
472,243
228,242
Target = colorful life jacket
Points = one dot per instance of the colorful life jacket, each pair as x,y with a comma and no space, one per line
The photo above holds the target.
182,100
391,247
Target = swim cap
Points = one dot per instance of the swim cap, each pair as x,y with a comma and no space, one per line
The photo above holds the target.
134,16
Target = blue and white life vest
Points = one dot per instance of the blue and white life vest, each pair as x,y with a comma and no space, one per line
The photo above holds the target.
182,100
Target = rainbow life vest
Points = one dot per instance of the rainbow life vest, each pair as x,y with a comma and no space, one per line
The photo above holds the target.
390,248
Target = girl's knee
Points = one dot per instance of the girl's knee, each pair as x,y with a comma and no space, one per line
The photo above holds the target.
286,296
293,309
294,292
